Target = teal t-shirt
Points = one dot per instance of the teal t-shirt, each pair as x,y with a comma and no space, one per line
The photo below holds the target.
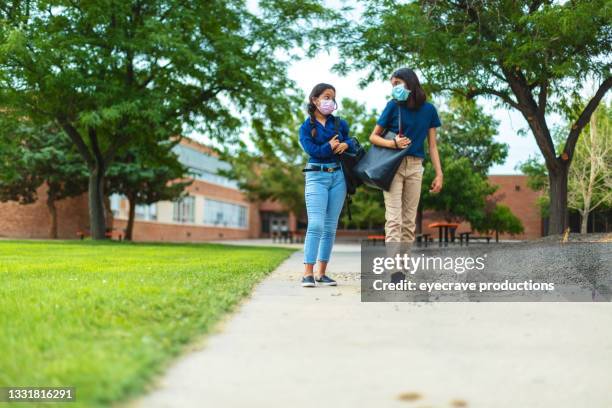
415,124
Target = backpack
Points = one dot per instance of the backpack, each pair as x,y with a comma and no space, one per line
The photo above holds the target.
348,160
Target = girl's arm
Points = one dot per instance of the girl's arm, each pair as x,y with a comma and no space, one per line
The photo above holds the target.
378,140
436,185
343,136
313,149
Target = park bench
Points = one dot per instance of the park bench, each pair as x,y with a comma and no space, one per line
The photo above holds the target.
424,238
467,236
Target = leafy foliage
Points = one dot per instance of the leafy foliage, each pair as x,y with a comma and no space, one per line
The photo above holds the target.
533,56
467,151
499,219
117,73
32,156
146,175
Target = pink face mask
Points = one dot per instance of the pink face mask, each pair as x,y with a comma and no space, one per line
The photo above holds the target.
327,106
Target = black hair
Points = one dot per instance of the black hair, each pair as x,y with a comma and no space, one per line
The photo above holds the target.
315,93
417,94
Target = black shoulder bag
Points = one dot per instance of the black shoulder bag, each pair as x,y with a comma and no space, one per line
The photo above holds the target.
379,165
348,161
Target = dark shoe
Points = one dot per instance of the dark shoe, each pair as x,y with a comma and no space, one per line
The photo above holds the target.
397,277
326,281
308,282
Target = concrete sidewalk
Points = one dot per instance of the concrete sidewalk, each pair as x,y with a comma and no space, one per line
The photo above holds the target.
293,347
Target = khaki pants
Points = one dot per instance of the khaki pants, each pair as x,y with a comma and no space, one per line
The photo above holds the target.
402,200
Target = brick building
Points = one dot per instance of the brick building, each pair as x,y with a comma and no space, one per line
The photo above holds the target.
513,192
213,209
216,209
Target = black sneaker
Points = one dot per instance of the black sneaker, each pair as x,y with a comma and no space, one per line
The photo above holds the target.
326,281
397,277
308,281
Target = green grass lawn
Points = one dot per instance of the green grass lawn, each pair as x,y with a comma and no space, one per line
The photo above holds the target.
105,317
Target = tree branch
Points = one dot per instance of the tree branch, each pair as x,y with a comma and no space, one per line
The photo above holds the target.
535,5
93,139
490,91
584,118
542,97
532,113
77,139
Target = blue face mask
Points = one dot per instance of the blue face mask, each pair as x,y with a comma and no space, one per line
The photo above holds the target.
400,93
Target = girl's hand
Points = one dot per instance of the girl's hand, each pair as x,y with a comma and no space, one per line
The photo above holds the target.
333,142
401,142
436,184
341,148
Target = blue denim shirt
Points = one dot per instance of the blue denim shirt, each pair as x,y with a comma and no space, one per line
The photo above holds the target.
318,147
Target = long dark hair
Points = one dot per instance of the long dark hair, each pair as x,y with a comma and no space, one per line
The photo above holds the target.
315,93
417,94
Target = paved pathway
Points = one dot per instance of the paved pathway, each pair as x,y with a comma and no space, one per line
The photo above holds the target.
294,347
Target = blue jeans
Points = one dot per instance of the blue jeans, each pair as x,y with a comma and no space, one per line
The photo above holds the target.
324,193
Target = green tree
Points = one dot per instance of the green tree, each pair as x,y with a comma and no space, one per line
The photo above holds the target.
146,175
32,156
590,177
471,132
532,56
270,166
499,219
113,73
465,190
467,151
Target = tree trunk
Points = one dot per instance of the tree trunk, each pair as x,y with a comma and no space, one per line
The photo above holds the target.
53,213
130,222
97,218
584,221
558,220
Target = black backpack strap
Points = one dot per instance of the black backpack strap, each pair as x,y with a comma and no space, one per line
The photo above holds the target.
388,124
399,118
337,125
348,201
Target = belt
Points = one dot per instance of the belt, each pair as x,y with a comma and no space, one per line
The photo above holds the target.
322,168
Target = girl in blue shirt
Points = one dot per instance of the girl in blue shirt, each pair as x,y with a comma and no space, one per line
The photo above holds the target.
325,187
419,120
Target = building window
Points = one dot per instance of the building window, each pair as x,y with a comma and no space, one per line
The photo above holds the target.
184,210
213,178
146,212
115,204
223,214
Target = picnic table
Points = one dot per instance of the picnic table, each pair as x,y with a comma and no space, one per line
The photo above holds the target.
467,236
445,229
376,238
